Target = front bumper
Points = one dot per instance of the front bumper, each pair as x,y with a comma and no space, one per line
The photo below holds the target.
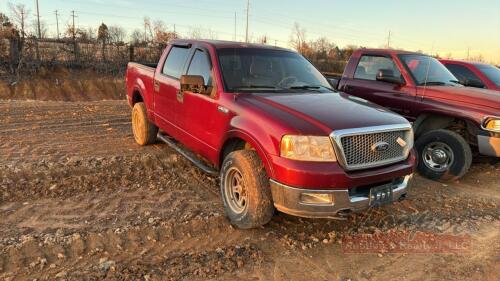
489,145
287,199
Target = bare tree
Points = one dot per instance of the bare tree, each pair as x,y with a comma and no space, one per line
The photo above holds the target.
117,34
103,37
136,36
147,29
20,16
298,38
195,33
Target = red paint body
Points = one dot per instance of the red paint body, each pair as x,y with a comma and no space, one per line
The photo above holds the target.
473,67
260,120
415,102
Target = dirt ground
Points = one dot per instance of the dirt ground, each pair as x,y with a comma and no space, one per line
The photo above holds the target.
79,200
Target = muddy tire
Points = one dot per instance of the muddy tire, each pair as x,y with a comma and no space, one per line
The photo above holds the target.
245,190
443,155
144,131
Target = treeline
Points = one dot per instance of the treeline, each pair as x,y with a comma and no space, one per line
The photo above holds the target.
109,48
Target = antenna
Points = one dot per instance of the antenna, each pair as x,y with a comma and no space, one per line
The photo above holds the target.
427,71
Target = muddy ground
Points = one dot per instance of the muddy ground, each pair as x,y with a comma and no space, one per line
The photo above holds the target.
79,200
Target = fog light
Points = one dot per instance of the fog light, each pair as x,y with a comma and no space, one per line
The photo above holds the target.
316,198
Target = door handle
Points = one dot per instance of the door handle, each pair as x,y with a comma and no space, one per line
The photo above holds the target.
156,85
180,96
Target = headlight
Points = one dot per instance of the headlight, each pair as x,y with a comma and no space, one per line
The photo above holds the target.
492,124
307,148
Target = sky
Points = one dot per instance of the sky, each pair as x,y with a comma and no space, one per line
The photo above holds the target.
459,28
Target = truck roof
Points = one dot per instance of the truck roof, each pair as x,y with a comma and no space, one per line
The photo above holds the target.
475,63
387,51
220,44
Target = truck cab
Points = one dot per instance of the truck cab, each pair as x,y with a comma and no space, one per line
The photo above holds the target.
451,122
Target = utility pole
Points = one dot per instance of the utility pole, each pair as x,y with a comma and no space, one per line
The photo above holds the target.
75,46
235,36
248,9
389,40
57,24
37,49
22,24
38,20
468,52
73,27
145,32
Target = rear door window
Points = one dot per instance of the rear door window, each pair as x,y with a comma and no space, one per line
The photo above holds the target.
176,59
369,66
200,65
462,73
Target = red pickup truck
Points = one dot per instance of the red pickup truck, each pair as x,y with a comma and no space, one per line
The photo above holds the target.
267,122
474,74
450,121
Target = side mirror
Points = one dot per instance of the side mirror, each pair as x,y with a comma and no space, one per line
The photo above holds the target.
387,75
473,83
334,82
193,83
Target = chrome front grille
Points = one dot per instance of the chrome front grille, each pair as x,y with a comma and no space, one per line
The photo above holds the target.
370,147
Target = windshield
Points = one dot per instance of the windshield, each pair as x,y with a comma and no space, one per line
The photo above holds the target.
492,72
265,70
428,70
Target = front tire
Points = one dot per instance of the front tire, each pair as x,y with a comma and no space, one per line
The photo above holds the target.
144,131
245,190
443,155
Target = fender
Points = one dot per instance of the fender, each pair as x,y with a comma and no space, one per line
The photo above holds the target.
247,137
440,119
140,87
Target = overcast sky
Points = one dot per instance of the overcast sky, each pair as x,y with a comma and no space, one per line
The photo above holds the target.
455,27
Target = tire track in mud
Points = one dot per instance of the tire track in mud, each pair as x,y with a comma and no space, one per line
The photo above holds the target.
96,205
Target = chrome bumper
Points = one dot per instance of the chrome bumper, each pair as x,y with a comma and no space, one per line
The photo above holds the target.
287,199
489,146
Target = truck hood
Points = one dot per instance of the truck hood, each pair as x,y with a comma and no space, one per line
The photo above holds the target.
468,95
327,111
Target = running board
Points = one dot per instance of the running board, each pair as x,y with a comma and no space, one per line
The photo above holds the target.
188,155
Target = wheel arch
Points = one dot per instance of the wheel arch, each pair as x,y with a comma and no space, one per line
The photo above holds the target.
237,139
433,121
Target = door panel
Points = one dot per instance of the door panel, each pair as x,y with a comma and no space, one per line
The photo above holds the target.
167,87
365,85
394,97
200,116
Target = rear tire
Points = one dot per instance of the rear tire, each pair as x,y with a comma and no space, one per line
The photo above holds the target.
443,155
245,190
144,131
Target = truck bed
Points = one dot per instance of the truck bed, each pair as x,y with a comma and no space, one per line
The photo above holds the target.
141,74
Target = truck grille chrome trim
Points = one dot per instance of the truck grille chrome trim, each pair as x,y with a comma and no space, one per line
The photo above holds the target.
370,147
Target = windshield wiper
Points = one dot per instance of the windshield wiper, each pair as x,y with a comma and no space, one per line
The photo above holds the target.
255,87
432,83
307,87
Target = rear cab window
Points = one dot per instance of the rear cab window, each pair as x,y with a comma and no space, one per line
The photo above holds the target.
369,66
462,72
176,59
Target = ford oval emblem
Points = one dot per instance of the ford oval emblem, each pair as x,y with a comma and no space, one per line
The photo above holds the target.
380,146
